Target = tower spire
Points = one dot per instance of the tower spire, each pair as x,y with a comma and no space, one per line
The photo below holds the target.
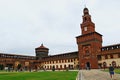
87,25
86,16
42,44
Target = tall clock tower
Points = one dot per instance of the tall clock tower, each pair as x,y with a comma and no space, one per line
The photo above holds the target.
89,43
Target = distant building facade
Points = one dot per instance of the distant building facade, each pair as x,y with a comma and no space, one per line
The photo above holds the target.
109,55
12,61
90,55
61,61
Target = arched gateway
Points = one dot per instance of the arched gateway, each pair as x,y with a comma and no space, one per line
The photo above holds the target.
88,65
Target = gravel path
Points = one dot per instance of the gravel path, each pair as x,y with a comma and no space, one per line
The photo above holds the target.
97,75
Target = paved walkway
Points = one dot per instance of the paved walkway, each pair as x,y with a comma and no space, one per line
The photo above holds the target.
96,75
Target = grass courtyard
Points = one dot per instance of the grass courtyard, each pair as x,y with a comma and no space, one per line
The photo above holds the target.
62,75
117,71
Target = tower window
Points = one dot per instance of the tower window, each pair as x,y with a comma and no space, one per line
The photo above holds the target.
99,57
85,28
85,19
87,52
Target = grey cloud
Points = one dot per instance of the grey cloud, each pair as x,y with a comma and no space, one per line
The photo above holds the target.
25,24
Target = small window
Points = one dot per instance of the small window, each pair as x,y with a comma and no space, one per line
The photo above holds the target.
87,52
85,28
71,60
111,56
104,64
85,19
119,55
65,61
68,60
113,63
59,61
99,57
106,57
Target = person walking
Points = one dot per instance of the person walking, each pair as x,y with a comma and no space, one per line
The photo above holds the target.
111,71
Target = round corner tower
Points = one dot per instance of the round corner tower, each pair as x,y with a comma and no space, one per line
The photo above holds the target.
41,51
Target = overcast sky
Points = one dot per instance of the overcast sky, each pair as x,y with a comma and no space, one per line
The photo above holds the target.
26,24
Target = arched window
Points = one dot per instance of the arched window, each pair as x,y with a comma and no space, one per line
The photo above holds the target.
56,66
64,66
87,52
104,64
113,63
85,19
68,60
60,66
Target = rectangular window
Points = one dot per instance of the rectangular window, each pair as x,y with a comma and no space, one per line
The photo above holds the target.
111,56
65,61
59,61
74,59
62,61
56,66
99,57
68,60
119,55
60,66
71,60
106,56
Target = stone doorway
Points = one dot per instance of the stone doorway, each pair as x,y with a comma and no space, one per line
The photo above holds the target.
88,65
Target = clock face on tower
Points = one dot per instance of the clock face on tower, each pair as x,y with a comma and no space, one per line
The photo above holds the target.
85,28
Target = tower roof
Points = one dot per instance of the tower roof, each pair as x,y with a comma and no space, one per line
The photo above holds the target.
85,8
42,47
85,11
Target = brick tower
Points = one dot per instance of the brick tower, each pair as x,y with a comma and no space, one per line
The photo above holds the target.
89,43
41,51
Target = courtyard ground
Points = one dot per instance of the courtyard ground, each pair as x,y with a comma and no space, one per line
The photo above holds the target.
96,75
48,75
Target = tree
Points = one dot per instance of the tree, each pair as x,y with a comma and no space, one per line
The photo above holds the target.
53,68
19,66
1,66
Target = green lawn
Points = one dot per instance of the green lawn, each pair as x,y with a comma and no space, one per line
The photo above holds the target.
63,75
116,71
